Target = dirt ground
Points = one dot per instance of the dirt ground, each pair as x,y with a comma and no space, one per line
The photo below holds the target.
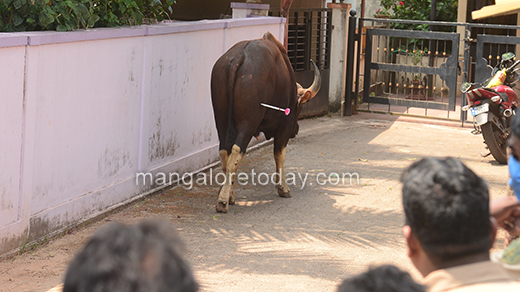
309,242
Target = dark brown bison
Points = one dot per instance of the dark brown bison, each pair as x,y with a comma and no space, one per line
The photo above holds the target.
248,74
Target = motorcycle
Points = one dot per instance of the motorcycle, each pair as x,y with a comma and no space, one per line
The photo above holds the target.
493,104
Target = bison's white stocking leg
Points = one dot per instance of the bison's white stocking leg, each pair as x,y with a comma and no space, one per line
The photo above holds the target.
226,195
223,159
281,184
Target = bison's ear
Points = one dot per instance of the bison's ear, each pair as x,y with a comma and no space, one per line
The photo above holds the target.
304,97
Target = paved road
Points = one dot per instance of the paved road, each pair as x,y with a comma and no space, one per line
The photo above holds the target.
309,242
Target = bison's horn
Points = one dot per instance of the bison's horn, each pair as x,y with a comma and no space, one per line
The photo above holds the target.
306,94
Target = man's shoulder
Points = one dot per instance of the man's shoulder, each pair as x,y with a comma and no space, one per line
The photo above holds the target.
472,277
485,287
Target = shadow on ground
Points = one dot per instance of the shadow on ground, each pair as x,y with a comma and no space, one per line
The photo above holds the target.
328,230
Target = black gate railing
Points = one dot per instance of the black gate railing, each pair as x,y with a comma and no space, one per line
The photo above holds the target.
421,69
402,66
494,43
309,37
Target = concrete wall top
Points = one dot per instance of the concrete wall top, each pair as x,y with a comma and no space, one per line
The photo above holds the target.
249,5
12,40
37,38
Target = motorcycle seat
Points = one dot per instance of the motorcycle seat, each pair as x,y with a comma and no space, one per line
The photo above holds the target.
503,95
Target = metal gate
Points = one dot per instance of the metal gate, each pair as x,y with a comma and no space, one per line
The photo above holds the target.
482,69
401,65
408,69
309,37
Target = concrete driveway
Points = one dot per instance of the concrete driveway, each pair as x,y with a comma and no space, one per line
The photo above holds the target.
327,231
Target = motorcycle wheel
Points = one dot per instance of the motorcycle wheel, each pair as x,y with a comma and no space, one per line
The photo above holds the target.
495,143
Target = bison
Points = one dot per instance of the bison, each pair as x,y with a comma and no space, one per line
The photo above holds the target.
247,75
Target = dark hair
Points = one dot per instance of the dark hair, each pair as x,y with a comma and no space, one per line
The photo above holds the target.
144,257
386,278
515,126
447,207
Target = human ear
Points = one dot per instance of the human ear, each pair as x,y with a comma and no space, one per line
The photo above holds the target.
411,244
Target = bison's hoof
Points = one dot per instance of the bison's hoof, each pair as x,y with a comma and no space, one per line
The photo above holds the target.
222,207
283,192
231,200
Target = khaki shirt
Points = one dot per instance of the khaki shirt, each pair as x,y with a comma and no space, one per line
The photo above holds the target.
479,277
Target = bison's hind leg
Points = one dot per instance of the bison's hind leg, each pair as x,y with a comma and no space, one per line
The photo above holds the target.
281,184
224,156
226,196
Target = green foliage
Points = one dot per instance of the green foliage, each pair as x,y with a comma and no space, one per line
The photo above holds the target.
65,15
416,56
383,11
420,10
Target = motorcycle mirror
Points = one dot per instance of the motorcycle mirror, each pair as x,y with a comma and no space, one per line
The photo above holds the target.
508,56
465,87
513,66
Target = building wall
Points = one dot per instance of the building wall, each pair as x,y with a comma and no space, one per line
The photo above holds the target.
84,112
215,9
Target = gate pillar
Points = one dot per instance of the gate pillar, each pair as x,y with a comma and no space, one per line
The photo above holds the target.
338,54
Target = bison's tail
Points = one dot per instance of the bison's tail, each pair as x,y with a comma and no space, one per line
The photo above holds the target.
231,135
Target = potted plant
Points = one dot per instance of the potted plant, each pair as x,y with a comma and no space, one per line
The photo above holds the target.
382,13
417,88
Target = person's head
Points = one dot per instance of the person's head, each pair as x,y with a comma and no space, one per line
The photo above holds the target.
514,139
144,257
446,206
386,278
